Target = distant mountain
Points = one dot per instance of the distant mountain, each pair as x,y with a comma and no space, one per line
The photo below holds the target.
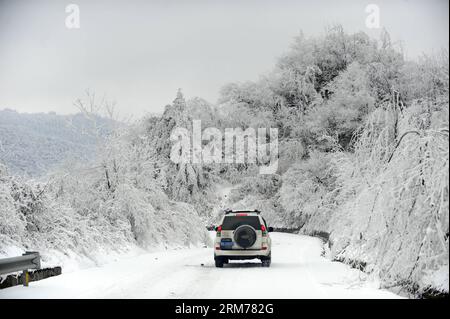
31,144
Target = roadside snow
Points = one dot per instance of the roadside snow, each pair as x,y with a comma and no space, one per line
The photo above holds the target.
298,271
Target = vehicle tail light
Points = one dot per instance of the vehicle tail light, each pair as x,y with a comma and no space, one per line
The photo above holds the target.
241,214
219,231
264,230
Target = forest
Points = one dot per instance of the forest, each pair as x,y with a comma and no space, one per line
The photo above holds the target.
363,163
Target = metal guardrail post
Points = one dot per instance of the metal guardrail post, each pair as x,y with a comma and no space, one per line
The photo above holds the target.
25,278
36,261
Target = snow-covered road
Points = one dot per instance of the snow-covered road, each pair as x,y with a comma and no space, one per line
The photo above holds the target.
298,271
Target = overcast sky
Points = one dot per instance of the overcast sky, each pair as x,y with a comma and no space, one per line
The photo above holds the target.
138,53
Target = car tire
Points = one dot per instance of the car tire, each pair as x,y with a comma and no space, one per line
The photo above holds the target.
219,262
266,261
245,236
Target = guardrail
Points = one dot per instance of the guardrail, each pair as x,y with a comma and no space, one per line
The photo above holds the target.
29,260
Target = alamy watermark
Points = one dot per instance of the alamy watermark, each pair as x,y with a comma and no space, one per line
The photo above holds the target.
373,17
72,20
233,146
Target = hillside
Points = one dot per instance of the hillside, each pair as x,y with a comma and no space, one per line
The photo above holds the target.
31,144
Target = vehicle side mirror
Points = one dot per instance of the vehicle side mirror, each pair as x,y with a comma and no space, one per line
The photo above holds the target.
270,229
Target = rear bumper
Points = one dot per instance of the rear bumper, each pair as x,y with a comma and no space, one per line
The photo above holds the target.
242,254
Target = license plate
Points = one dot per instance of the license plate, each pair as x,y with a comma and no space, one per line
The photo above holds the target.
226,243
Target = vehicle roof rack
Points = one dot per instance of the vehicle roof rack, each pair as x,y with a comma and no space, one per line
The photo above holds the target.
230,211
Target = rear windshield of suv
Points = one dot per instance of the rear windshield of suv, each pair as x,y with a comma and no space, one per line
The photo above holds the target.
233,222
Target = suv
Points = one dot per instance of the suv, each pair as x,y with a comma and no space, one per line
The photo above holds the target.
242,235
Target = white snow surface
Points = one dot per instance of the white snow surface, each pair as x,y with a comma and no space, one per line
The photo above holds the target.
298,270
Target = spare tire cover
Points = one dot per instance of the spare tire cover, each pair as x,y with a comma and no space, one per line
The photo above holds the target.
245,236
